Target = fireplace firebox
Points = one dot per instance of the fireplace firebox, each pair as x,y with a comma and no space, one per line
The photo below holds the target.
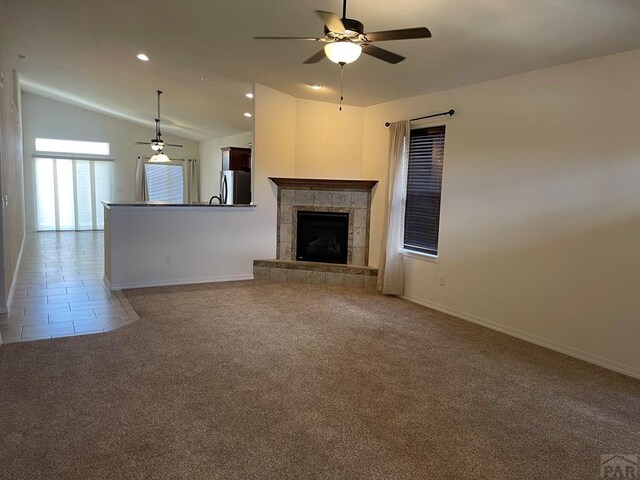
322,237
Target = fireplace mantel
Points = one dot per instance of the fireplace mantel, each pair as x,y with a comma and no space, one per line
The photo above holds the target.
285,182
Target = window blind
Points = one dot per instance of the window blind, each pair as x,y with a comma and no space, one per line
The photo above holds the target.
69,193
165,183
102,188
424,186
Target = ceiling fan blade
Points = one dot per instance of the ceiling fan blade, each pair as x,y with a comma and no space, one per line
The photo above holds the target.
402,34
382,54
310,39
316,57
142,143
332,21
172,145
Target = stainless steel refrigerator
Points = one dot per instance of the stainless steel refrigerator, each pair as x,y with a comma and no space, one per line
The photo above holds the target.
235,187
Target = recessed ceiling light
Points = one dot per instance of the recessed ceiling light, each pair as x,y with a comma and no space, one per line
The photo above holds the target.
247,114
22,57
249,95
315,87
142,57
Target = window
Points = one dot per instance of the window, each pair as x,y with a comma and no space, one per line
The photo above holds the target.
165,183
424,185
71,146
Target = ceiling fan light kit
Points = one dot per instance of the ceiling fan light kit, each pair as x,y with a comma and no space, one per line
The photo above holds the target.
159,158
342,52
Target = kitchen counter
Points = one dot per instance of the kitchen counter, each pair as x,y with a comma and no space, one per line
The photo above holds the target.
167,204
154,243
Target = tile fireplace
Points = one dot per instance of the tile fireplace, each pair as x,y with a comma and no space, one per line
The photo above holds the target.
336,247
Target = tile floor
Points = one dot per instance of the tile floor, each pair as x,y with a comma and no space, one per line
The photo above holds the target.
59,291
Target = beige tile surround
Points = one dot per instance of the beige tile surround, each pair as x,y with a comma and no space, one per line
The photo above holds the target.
357,203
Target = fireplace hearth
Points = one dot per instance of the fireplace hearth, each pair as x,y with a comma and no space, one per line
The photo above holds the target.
322,237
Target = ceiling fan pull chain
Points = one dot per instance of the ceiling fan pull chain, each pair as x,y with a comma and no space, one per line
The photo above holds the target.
341,85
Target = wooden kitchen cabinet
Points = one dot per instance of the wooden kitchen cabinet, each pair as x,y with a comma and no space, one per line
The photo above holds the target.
236,158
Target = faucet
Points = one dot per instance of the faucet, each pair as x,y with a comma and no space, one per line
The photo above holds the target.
215,196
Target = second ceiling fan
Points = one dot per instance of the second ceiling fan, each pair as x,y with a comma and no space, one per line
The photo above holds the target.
157,144
345,39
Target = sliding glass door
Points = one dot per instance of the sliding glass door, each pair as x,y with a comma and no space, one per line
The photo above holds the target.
69,193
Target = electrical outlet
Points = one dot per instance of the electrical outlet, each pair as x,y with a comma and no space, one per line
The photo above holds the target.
441,280
167,260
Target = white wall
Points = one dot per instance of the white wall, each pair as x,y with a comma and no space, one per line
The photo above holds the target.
11,170
273,156
541,206
328,141
46,118
210,159
152,246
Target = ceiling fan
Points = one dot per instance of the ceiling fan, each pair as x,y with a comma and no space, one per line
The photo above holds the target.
345,39
157,144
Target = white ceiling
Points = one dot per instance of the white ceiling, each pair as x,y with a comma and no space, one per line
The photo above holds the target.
83,52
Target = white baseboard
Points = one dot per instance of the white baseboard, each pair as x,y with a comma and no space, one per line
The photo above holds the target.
15,276
166,283
528,337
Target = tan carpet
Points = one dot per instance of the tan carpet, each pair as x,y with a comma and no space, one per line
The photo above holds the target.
253,380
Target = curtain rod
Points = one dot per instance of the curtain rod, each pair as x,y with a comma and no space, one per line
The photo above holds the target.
450,113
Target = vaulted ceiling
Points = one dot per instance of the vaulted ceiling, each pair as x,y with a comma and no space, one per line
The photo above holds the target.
84,52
